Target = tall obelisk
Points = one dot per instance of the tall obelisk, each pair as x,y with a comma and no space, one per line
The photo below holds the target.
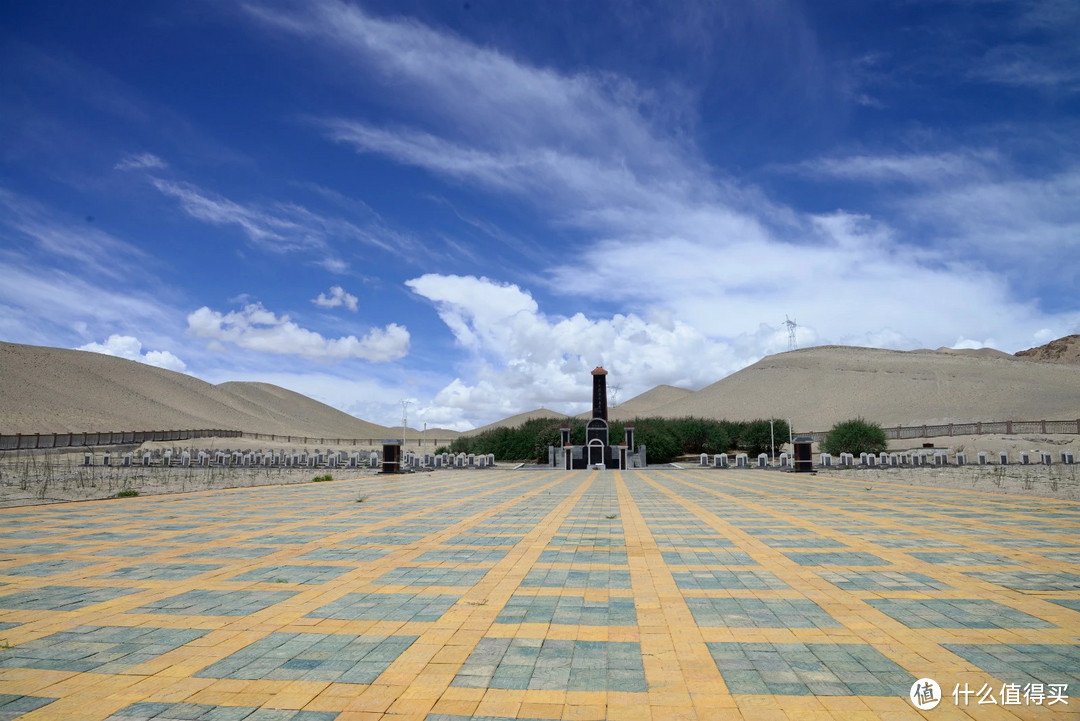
599,393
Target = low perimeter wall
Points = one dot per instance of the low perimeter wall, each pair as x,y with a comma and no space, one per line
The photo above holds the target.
984,428
30,441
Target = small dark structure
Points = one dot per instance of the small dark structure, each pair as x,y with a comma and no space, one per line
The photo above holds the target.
391,456
804,456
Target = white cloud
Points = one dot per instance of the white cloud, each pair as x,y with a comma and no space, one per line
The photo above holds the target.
141,161
93,252
338,297
258,329
928,168
129,347
524,358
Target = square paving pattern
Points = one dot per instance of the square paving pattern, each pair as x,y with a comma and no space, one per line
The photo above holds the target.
538,594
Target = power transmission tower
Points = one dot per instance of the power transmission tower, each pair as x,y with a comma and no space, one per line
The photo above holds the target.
791,326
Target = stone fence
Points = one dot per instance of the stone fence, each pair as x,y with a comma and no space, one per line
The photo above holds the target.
21,441
31,441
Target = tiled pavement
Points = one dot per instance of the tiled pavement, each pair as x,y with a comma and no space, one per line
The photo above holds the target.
666,594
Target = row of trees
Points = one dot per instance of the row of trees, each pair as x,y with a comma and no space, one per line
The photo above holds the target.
667,438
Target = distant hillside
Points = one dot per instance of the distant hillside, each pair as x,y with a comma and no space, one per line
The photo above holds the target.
54,390
643,404
817,387
1063,350
517,420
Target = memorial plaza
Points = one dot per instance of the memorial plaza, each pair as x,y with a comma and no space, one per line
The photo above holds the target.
493,593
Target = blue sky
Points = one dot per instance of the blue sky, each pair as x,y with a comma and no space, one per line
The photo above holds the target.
472,204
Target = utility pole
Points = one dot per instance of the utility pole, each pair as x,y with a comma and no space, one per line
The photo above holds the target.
772,440
404,421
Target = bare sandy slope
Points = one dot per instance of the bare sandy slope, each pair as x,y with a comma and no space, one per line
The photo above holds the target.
643,404
54,390
817,387
289,409
517,420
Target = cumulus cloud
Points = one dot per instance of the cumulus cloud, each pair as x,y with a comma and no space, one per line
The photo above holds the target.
258,329
337,298
525,358
126,346
141,161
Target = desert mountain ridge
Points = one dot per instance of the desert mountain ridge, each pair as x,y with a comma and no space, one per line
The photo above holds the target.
54,390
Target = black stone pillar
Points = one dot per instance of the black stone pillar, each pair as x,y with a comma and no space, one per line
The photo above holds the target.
599,393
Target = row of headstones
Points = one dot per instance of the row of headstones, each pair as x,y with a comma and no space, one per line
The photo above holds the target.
941,458
242,459
869,460
450,460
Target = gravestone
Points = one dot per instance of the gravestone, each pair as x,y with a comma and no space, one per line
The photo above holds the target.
720,460
1003,458
166,459
472,460
941,459
88,459
825,459
704,459
742,460
894,460
127,459
106,459
460,460
883,458
982,458
1025,458
146,460
438,460
1045,458
961,458
483,461
870,461
862,458
1067,458
185,459
784,460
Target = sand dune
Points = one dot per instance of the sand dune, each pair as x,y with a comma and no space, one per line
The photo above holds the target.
54,390
517,420
817,387
643,404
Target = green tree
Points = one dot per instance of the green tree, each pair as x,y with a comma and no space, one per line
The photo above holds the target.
855,436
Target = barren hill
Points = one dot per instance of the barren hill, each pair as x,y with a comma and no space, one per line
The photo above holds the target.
1063,350
517,420
643,404
54,390
817,387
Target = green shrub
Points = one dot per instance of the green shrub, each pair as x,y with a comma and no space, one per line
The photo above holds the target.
855,436
127,493
441,450
322,479
756,437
